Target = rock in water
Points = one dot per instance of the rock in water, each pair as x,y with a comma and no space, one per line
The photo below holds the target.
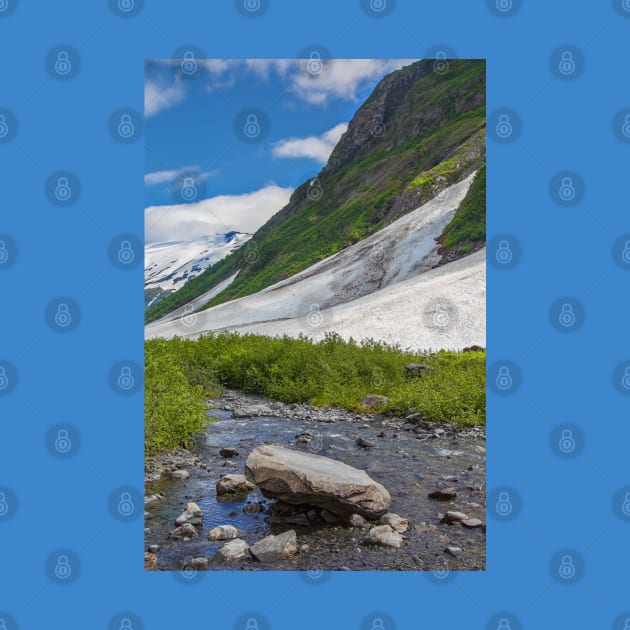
228,451
275,547
397,523
305,478
184,532
444,494
223,532
233,550
192,515
180,474
384,535
234,484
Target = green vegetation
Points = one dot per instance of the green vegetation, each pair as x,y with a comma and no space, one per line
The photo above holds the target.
467,230
331,372
428,120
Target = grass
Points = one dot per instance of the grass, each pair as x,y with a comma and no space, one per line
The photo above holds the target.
332,372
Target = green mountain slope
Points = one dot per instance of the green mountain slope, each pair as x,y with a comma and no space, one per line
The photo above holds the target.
416,134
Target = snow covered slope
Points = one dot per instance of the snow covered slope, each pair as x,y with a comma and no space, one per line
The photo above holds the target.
383,287
168,266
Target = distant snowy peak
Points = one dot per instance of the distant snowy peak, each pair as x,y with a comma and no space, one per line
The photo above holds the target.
168,266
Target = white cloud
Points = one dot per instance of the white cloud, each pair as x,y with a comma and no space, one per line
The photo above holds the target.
245,213
159,96
313,147
167,176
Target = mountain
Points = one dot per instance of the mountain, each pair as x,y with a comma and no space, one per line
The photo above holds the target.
418,133
168,266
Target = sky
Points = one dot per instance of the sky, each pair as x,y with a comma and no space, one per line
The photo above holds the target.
227,141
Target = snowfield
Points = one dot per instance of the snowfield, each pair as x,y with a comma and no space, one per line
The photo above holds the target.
384,287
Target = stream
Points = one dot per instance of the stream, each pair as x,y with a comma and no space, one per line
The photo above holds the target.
409,461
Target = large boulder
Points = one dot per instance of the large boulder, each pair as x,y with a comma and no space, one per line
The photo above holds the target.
305,478
275,547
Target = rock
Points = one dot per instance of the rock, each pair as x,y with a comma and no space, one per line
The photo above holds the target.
374,401
154,548
472,523
229,464
234,484
417,369
384,535
454,551
223,532
184,532
180,474
150,562
473,348
250,411
356,520
363,443
305,478
444,494
200,564
329,517
275,547
192,515
304,548
454,517
228,451
153,499
147,530
397,523
233,550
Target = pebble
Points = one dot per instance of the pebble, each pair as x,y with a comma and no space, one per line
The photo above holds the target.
472,523
443,494
454,551
181,473
454,517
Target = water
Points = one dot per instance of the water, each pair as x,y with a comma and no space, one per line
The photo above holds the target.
410,468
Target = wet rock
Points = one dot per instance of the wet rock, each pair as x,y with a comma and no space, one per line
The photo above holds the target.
397,523
228,451
329,517
305,478
384,535
252,411
180,473
234,550
147,530
454,517
275,547
363,443
192,515
443,494
153,499
229,464
150,562
304,438
356,520
472,523
184,532
374,401
223,532
234,484
200,564
454,551
153,548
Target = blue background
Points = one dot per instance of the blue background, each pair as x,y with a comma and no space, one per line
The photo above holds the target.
567,377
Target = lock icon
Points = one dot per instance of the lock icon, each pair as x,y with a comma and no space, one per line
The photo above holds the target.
625,506
4,379
126,5
252,5
251,624
626,625
125,624
567,63
63,319
440,65
4,128
504,505
315,64
315,317
63,570
4,254
567,316
378,624
504,5
3,623
504,378
4,5
626,7
378,5
63,65
504,127
125,379
189,65
504,253
4,506
378,128
252,126
189,190
126,254
63,443
125,505
567,441
125,127
63,192
567,568
504,624
441,317
625,128
315,190
625,381
567,189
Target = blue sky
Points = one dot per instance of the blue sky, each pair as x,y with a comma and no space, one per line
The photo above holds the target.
197,133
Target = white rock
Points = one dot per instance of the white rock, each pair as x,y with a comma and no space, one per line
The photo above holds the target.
397,523
275,547
384,535
223,532
233,550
